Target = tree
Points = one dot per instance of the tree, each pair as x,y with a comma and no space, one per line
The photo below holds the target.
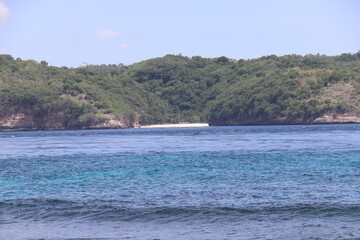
44,63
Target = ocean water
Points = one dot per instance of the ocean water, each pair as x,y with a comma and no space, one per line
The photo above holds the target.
264,182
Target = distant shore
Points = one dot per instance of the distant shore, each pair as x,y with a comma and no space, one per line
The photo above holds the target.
177,125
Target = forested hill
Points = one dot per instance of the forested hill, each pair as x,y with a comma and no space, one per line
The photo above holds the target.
291,89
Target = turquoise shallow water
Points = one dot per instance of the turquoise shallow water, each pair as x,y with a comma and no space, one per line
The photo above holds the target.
267,182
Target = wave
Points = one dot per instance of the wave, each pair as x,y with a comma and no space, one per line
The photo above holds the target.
113,210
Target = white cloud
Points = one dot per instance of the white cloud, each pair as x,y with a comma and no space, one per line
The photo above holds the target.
4,13
106,34
123,45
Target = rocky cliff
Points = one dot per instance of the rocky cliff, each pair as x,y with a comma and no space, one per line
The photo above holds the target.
338,118
27,120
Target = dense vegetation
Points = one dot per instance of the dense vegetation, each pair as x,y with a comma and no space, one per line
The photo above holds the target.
175,88
80,97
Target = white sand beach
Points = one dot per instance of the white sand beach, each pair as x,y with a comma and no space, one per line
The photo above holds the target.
177,125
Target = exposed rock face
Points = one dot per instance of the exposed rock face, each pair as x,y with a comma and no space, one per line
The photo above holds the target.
17,121
111,123
339,118
25,120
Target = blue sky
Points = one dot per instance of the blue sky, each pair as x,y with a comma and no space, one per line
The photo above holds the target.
74,32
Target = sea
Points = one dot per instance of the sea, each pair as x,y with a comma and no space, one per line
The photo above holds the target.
248,182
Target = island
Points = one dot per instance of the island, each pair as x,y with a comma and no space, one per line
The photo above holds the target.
290,89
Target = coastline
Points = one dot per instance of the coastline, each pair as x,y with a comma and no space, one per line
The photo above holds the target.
20,122
175,125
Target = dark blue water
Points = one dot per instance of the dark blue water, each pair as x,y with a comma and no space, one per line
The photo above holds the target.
270,182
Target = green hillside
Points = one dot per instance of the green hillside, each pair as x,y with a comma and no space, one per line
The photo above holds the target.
75,98
269,90
289,89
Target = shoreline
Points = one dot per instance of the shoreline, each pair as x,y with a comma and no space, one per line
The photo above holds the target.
175,125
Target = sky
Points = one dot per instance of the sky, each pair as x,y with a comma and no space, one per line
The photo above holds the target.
75,33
